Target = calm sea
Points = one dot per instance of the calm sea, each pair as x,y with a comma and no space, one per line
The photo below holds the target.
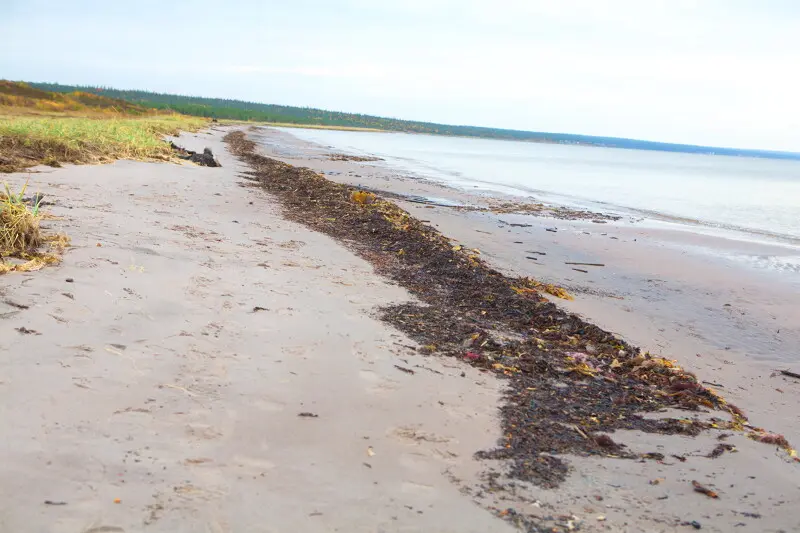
749,197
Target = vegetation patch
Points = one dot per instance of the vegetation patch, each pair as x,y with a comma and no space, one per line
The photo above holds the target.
38,127
22,96
23,245
28,141
570,383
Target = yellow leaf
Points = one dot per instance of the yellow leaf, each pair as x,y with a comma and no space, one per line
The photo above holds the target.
583,369
362,197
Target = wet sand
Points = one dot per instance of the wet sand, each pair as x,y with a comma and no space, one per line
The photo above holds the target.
171,372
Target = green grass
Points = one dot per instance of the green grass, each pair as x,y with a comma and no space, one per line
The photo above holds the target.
30,140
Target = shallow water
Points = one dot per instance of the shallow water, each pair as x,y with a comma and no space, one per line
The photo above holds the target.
759,198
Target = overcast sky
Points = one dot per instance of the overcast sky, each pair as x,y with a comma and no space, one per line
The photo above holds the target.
718,72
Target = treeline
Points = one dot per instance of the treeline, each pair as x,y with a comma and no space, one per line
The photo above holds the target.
241,110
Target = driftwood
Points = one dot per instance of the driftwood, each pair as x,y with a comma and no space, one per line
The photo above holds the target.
205,159
790,374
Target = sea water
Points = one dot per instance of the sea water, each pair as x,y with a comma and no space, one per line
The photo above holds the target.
755,198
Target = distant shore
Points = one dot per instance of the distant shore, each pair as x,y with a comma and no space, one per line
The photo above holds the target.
314,126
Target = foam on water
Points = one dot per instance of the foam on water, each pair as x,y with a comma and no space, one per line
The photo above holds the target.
780,263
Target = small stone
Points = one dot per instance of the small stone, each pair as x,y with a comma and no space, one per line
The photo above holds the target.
69,280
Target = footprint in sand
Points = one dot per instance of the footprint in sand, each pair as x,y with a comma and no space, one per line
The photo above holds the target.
292,245
415,435
202,431
458,413
411,487
252,465
428,446
416,463
377,383
294,350
188,491
270,406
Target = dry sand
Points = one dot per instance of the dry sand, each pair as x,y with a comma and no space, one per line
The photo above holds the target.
152,379
170,373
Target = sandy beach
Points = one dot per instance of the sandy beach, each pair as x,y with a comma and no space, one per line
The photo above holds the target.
200,363
175,351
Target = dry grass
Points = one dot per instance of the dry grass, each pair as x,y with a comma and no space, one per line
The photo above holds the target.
21,96
21,238
19,224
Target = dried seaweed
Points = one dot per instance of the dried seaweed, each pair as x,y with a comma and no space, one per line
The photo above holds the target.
568,380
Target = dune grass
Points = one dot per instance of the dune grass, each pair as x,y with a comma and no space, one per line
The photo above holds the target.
29,140
22,242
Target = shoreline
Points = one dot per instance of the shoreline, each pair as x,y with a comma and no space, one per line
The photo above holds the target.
450,173
748,247
743,323
294,194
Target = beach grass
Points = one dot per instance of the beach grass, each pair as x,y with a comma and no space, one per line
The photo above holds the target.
29,140
24,247
19,223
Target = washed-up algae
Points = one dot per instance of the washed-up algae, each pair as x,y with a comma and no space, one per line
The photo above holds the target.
570,383
501,207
